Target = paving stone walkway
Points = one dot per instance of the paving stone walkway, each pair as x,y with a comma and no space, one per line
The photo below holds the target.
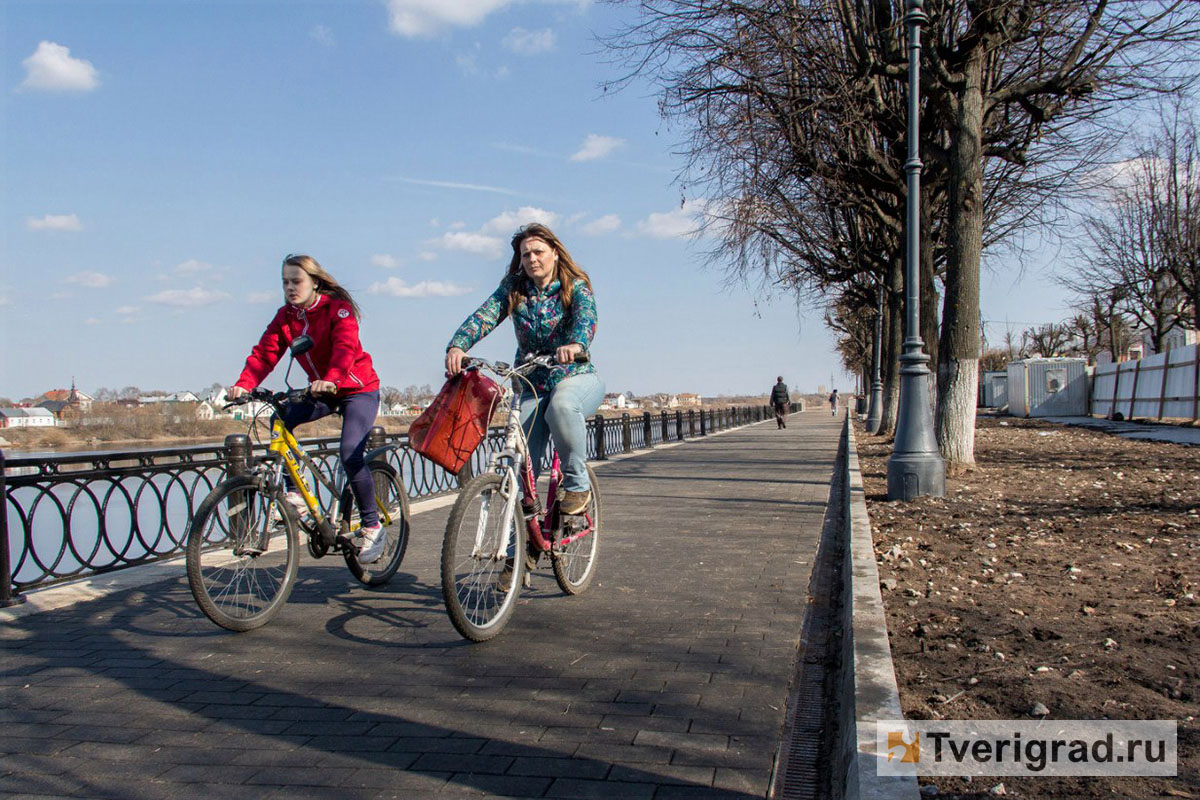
668,678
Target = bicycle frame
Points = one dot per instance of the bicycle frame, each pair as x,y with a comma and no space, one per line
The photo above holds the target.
539,525
292,456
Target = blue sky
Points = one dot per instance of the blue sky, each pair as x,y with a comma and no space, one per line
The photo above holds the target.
159,160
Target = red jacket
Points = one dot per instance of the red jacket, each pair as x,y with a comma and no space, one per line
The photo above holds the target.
337,355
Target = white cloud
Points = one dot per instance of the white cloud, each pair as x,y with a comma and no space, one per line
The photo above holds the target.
596,146
413,18
5,300
475,243
602,225
188,298
475,187
91,321
528,43
52,69
261,298
399,288
54,222
683,221
507,223
127,310
427,255
192,267
92,280
322,35
385,261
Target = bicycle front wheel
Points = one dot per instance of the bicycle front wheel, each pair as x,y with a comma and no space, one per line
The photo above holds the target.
392,503
482,569
242,554
575,560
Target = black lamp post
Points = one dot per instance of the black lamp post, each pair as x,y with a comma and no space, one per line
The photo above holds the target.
875,409
915,468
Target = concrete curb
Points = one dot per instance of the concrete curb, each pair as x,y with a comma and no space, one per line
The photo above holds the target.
868,689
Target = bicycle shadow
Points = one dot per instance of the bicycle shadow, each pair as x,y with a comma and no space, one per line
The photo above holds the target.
129,718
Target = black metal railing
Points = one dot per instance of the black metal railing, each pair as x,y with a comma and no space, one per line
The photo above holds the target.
78,514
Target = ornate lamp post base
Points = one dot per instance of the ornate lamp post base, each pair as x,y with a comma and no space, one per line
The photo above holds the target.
916,467
875,408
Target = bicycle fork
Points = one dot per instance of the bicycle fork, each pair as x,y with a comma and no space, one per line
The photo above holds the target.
508,492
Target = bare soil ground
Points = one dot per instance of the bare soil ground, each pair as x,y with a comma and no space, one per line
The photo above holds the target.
1058,580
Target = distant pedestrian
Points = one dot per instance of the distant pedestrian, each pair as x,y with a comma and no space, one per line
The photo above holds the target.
781,401
833,403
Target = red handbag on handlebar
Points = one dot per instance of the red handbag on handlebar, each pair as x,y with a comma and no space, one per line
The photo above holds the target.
455,423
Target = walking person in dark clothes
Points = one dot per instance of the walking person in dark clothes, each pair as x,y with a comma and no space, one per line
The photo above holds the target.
780,401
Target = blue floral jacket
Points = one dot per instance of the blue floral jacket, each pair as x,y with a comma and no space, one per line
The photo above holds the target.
540,325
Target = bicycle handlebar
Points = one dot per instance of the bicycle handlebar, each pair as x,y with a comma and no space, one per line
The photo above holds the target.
531,362
273,399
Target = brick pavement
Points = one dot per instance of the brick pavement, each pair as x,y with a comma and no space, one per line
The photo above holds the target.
668,678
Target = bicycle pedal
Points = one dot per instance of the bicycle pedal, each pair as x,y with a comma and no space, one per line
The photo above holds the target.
526,580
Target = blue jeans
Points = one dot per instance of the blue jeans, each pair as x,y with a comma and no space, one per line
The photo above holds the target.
562,414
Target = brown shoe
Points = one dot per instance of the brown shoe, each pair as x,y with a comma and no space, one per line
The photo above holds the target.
574,502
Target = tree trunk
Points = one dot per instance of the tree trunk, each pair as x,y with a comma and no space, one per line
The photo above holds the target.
958,370
929,293
893,346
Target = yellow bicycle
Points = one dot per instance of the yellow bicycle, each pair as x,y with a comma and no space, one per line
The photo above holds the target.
243,548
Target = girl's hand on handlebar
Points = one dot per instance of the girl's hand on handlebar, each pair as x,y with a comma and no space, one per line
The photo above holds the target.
566,354
322,387
234,392
454,360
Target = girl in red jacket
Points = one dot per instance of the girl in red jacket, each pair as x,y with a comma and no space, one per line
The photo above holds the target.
342,377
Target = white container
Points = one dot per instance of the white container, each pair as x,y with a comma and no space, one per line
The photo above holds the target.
995,389
1048,387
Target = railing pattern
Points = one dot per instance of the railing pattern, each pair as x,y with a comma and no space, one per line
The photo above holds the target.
78,514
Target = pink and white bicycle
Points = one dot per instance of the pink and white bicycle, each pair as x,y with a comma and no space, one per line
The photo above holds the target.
498,529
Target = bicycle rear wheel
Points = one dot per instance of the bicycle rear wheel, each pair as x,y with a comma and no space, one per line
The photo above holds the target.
242,554
575,562
481,573
392,503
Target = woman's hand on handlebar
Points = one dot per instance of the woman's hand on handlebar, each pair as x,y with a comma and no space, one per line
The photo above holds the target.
234,392
454,360
568,352
322,387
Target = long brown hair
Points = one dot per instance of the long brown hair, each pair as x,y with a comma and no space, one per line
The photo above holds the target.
565,270
326,284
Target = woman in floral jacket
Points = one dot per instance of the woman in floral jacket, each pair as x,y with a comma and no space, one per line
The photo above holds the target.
553,310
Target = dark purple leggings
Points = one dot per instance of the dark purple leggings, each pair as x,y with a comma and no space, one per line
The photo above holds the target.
358,415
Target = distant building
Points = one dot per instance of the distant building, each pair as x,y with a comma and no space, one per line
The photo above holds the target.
615,402
27,418
65,397
689,400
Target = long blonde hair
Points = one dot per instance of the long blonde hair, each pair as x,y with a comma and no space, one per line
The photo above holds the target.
326,283
566,270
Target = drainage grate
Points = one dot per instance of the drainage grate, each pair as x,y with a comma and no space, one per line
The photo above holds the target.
805,761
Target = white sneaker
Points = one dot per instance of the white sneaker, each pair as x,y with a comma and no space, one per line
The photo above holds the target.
296,501
371,542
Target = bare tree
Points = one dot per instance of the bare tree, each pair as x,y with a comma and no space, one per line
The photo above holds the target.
1048,340
1085,333
1175,154
794,112
391,395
